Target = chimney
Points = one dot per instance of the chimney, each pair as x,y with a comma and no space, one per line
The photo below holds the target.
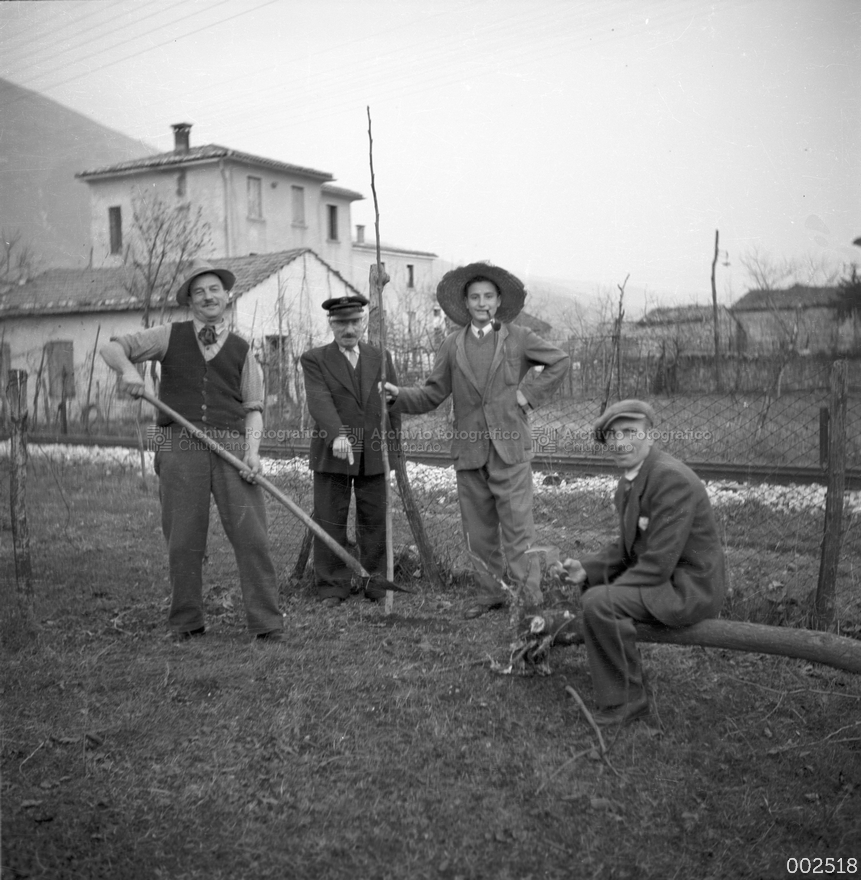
360,234
180,136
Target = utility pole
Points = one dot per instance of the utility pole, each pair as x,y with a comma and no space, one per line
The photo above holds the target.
715,311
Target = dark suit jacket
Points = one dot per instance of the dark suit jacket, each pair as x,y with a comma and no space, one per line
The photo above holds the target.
668,544
490,414
338,410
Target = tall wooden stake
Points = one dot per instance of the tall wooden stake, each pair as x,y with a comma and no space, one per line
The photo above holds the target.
378,280
718,380
16,396
824,600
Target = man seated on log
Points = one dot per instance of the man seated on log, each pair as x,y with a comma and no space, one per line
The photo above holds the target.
666,567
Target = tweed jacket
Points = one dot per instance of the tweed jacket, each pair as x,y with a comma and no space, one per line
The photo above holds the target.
338,410
668,544
491,414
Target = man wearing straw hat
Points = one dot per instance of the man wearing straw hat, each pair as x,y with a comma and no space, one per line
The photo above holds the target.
486,368
208,376
342,390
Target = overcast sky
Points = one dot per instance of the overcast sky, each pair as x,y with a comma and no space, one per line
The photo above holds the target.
572,140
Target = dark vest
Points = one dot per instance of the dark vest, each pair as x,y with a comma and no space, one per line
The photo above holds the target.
207,394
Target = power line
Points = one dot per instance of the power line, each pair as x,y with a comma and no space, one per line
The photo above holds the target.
130,39
150,48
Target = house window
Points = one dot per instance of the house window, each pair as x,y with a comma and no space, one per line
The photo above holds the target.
411,275
332,224
298,205
255,198
115,228
61,368
181,183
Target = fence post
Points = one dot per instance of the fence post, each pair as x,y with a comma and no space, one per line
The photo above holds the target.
824,600
16,396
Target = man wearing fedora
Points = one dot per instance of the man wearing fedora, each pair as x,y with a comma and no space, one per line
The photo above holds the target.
209,376
342,390
486,368
667,565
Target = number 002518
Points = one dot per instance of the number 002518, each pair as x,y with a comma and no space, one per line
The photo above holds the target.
807,866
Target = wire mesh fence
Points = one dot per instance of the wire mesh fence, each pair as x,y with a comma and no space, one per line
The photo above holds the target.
772,526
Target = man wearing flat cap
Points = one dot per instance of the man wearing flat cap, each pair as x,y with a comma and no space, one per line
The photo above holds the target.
667,565
210,377
486,367
342,389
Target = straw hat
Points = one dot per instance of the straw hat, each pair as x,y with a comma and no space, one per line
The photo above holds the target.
199,267
451,290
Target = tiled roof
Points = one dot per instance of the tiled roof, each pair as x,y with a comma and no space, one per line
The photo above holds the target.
796,297
67,291
207,153
328,188
372,246
692,314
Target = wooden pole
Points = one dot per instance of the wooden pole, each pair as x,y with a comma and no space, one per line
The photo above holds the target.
718,380
838,652
826,588
90,382
16,396
378,280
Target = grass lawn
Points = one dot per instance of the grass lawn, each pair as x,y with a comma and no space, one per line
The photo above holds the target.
378,747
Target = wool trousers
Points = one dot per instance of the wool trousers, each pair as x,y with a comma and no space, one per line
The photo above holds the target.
609,617
332,494
188,474
496,514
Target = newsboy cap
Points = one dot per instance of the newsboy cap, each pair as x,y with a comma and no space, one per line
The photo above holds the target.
199,267
623,409
345,303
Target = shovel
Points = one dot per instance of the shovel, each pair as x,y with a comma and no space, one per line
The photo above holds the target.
376,582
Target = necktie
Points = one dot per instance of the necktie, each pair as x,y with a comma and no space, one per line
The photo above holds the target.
207,335
352,356
481,333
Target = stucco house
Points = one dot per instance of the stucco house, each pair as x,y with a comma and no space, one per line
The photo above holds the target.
687,329
52,325
808,320
251,205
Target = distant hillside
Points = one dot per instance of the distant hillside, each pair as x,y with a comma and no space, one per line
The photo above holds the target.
42,146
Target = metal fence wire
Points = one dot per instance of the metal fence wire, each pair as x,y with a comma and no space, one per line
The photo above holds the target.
758,451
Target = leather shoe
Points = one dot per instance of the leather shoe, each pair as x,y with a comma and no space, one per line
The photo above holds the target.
331,601
272,636
623,713
478,610
200,631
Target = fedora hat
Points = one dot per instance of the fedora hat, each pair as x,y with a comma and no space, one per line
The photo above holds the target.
451,290
200,267
623,409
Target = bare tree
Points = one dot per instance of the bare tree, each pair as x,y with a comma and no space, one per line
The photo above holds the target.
164,240
775,273
19,261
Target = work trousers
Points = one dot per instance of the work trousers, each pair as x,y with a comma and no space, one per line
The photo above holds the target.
188,474
331,507
609,617
496,503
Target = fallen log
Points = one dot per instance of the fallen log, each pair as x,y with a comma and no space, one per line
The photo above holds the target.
828,649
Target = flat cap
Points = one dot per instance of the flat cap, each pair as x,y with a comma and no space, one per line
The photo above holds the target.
623,409
345,303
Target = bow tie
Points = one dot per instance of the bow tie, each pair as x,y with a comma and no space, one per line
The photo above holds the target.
207,335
